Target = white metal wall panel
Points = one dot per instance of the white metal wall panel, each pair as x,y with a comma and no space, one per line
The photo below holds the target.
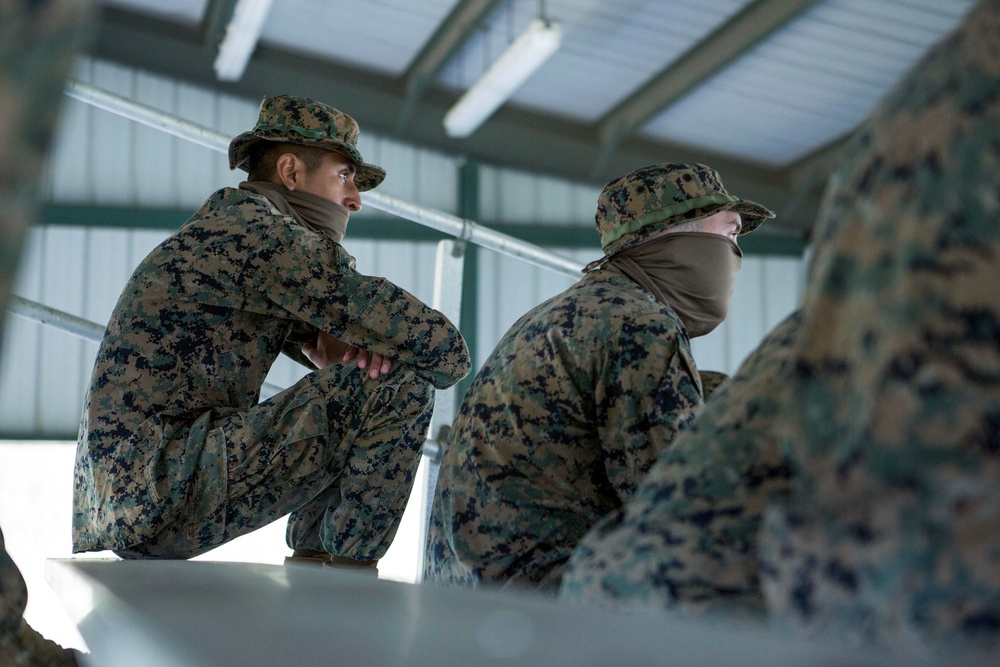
426,177
61,374
21,352
110,156
508,196
202,169
156,182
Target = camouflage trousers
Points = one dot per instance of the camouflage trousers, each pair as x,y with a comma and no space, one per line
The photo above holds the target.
337,450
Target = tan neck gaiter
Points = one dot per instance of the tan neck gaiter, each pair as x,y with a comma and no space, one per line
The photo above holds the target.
692,272
311,211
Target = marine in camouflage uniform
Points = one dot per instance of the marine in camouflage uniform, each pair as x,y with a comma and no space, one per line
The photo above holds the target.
37,42
851,470
581,394
176,456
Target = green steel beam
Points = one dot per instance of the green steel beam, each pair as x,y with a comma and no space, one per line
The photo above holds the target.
394,229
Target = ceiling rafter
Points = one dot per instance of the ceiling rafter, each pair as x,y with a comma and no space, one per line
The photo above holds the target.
217,15
720,48
453,32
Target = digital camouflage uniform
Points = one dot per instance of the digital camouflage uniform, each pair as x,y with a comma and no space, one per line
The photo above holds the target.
572,407
175,454
37,41
853,470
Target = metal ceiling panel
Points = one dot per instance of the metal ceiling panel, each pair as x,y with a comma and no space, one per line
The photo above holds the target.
812,82
380,35
609,48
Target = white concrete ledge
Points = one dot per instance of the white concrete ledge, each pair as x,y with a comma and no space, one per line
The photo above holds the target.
200,614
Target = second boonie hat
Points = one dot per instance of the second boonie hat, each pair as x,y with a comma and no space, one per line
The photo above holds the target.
661,196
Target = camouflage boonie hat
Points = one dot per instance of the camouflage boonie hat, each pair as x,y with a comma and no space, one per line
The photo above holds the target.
300,120
661,196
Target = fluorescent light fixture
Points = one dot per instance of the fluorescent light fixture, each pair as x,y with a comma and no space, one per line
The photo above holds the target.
241,38
525,55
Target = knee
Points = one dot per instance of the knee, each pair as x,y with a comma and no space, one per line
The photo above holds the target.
410,393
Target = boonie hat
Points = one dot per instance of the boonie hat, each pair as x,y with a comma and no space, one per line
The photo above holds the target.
300,120
661,196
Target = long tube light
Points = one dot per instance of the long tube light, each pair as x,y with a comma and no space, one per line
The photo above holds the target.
525,55
242,35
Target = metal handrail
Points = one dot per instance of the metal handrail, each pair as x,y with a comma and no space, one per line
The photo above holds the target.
461,228
77,326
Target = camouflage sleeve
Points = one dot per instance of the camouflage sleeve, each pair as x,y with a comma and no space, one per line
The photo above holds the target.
646,392
688,537
314,280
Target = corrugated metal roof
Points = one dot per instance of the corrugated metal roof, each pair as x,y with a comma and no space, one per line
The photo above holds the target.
383,35
609,48
811,82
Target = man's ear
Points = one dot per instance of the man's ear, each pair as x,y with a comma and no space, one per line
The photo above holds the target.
289,170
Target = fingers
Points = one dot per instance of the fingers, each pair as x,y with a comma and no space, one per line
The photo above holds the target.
376,364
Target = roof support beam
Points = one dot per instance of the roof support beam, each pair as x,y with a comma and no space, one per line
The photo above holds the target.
439,49
241,38
218,14
711,54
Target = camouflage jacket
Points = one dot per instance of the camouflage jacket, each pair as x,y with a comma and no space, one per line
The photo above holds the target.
192,337
564,419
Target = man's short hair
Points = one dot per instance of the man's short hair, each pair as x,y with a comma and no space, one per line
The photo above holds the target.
263,158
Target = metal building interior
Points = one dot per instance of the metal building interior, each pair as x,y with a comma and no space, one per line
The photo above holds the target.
765,91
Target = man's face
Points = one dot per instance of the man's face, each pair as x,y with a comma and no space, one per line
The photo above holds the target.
723,223
333,179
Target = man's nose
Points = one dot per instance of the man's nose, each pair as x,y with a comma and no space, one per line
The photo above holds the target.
352,200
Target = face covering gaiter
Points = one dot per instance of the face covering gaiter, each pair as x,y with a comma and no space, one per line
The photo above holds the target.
311,211
692,272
